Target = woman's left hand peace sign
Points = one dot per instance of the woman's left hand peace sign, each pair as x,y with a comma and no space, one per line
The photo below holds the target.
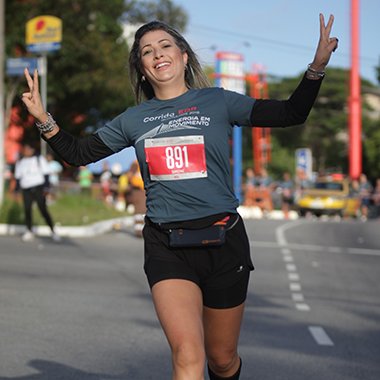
326,44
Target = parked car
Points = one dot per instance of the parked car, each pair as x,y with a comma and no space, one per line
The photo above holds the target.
329,195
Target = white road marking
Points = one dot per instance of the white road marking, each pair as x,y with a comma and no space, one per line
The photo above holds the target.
335,249
295,287
280,231
363,251
286,251
291,267
297,297
317,248
293,276
288,258
302,307
320,336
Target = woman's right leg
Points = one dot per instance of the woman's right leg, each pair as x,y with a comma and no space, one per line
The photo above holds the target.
179,307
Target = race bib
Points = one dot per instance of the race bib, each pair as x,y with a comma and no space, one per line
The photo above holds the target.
176,158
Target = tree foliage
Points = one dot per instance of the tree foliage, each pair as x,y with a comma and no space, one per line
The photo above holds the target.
87,78
162,10
326,129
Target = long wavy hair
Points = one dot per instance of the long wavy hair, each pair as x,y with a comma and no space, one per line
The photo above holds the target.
194,75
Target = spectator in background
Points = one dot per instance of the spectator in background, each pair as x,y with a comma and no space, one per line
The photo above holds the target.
249,187
302,183
136,197
376,197
55,169
263,196
365,191
32,176
250,179
287,194
264,180
122,190
85,178
106,184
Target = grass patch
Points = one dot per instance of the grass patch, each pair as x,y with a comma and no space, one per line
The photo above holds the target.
67,210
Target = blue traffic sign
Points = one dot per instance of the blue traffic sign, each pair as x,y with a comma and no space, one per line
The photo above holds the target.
304,161
16,66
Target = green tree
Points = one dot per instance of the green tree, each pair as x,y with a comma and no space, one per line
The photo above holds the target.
87,78
371,143
163,10
325,131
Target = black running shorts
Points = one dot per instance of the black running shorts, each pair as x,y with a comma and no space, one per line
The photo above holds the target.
222,273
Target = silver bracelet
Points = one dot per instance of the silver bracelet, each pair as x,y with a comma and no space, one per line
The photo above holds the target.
48,126
312,73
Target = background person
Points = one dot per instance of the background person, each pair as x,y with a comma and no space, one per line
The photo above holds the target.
198,282
376,197
136,197
106,184
122,190
365,195
55,169
85,178
32,176
287,194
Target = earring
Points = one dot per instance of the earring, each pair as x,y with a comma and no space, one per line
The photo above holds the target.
143,78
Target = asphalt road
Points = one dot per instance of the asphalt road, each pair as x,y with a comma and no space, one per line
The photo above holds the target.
81,309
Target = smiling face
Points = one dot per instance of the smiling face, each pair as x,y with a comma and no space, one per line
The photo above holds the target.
162,60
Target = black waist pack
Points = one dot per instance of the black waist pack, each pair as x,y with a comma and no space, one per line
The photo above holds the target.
211,236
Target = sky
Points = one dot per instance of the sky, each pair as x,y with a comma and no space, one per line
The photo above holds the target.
280,35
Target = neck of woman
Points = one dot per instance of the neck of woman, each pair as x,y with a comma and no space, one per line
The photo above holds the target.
169,92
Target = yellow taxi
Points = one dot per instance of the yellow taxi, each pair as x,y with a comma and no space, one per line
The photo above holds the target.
329,195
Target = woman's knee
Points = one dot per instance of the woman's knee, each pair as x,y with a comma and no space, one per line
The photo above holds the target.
188,355
223,361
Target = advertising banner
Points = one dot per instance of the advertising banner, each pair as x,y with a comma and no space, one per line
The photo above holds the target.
43,34
229,74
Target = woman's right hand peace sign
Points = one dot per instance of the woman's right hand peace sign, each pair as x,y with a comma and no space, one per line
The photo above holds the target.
32,98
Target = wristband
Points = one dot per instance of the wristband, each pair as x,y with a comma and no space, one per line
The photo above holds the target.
48,126
312,73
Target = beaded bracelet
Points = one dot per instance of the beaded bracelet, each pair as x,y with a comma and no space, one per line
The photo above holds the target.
48,125
314,74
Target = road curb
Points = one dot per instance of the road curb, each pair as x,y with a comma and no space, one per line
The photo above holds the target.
125,222
72,231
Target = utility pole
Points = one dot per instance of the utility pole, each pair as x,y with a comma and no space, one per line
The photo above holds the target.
354,101
261,143
2,126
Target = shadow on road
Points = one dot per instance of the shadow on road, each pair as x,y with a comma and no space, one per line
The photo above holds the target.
48,370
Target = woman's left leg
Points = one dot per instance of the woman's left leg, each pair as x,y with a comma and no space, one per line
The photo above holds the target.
224,298
222,330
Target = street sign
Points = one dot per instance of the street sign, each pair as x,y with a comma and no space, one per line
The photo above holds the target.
43,34
304,162
16,66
